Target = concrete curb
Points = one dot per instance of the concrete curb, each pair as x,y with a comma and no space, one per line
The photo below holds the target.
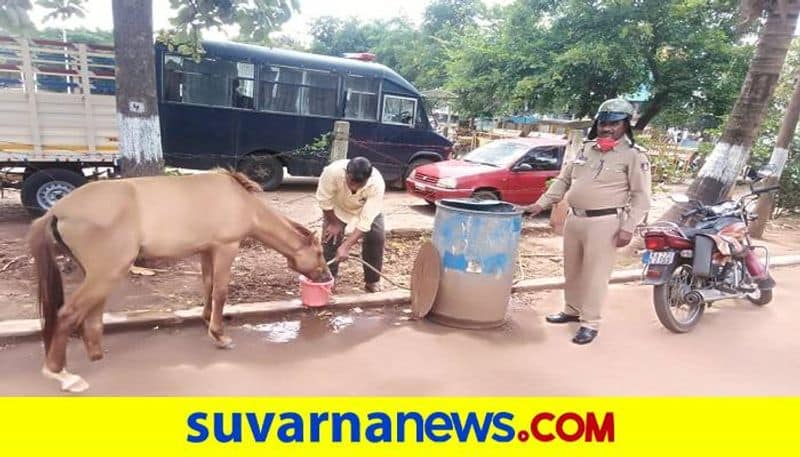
140,319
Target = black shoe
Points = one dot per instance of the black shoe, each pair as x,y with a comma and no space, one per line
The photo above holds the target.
562,318
585,335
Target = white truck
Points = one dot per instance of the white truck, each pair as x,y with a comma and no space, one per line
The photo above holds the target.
58,124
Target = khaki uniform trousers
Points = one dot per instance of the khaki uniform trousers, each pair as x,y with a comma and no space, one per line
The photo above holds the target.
589,255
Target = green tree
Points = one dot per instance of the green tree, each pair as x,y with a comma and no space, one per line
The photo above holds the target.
14,17
335,37
718,175
566,57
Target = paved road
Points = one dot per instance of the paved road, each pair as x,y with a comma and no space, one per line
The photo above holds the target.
738,349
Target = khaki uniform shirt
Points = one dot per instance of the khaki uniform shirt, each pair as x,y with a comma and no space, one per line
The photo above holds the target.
360,208
619,178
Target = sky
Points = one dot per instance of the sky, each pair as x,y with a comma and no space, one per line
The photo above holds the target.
100,16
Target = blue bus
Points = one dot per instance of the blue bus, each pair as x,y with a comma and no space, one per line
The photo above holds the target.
261,109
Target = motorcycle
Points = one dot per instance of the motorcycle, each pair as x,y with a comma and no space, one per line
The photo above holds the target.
706,258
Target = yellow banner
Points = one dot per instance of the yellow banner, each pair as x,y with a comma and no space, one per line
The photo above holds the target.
401,426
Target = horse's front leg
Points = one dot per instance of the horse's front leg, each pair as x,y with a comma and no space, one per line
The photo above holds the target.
207,267
222,261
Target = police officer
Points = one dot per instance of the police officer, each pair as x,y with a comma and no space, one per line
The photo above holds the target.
607,186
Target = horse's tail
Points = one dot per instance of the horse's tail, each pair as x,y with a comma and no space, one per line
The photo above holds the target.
51,289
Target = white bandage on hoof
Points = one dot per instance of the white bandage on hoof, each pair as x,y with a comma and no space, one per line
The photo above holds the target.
69,382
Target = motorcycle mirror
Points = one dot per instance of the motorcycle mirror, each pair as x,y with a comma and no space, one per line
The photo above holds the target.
679,198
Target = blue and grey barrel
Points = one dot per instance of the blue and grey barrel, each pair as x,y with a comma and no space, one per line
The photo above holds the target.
478,243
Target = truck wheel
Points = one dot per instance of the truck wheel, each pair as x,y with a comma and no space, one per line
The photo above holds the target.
264,169
44,188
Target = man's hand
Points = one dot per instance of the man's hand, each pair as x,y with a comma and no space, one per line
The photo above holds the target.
532,210
332,231
623,238
342,253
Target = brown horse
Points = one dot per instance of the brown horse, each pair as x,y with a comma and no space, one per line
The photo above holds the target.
106,225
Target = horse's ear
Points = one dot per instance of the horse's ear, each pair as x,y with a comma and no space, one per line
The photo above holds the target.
300,228
308,234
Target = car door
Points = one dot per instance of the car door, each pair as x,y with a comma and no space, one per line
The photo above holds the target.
528,177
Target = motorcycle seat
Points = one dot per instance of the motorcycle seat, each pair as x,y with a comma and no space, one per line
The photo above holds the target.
691,233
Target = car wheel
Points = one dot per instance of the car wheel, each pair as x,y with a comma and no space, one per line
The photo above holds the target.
485,195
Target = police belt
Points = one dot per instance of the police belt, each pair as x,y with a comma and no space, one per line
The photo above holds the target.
595,212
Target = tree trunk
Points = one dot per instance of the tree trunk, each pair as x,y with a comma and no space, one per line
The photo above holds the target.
653,108
137,105
730,154
780,154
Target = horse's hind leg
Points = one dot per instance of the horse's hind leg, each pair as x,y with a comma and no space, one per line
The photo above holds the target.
93,332
222,260
207,267
91,295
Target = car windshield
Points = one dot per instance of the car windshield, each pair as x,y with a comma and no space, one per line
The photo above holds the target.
497,153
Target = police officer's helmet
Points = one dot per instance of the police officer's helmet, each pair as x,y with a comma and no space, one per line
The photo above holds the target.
615,109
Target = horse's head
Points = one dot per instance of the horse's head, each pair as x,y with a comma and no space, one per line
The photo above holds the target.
309,260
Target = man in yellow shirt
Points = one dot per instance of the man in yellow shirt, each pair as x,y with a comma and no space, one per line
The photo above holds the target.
350,191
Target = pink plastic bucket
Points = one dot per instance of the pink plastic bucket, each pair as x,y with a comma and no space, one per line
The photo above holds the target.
315,294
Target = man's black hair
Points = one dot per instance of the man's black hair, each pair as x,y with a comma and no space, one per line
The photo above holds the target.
359,169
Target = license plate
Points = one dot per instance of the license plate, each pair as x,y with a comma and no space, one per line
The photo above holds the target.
658,258
419,186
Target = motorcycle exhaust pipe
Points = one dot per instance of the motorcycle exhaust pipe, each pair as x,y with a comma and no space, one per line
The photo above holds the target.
698,297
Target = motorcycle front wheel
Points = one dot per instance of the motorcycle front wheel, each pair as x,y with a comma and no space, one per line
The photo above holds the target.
672,310
760,297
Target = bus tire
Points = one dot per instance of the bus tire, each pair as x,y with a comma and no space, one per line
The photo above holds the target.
264,169
44,188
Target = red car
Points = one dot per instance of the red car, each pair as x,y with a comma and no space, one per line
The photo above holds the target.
513,170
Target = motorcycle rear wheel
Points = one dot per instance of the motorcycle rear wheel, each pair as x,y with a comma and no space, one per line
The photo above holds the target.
668,299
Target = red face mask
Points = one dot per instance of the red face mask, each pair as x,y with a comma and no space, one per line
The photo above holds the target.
606,144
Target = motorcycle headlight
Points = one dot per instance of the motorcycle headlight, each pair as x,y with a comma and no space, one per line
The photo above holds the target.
447,183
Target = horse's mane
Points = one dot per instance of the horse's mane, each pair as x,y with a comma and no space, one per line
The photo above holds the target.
241,178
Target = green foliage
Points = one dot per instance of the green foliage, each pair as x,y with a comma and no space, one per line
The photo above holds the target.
79,35
333,36
420,55
562,57
62,9
256,21
14,18
788,198
668,164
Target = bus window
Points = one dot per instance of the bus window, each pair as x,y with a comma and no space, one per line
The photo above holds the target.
280,89
320,93
214,82
362,98
243,93
399,110
292,90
